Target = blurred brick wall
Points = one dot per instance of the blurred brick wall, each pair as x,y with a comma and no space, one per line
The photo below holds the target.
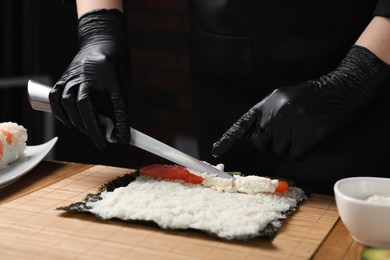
160,95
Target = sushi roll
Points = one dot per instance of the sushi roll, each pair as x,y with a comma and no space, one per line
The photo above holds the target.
13,139
174,198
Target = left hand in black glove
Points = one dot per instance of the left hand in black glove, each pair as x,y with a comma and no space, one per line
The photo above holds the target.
295,119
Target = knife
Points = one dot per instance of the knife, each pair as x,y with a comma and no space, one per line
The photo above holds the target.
38,96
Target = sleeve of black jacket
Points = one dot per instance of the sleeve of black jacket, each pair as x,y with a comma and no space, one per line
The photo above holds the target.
382,8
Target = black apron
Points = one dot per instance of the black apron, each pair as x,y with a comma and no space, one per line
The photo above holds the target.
240,51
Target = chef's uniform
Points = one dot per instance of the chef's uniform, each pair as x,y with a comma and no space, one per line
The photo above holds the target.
240,51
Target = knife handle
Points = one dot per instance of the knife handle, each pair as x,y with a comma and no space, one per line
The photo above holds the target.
38,95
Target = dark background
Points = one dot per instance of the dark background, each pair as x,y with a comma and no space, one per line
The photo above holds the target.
39,38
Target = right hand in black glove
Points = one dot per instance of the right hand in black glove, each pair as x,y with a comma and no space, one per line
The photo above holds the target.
293,120
96,80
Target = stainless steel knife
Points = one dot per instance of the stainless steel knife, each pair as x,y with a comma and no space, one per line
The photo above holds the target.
38,95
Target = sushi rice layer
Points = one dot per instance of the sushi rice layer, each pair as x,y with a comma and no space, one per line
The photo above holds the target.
179,205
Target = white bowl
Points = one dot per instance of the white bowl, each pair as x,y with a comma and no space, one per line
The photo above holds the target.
367,222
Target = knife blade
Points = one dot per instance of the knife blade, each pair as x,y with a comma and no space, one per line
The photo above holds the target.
38,96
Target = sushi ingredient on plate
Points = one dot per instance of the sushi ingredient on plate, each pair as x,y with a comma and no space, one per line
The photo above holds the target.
282,186
13,138
250,184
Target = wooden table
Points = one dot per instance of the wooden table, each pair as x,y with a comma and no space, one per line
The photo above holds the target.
32,228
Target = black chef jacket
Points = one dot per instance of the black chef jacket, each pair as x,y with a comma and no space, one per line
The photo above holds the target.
241,50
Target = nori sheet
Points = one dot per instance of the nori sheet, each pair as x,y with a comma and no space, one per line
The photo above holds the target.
269,232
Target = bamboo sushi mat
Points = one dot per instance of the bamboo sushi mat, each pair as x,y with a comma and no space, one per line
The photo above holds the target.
32,228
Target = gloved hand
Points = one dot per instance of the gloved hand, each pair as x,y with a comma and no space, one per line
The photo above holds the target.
97,78
292,120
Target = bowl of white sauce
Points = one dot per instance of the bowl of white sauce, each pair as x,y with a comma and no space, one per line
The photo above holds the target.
363,204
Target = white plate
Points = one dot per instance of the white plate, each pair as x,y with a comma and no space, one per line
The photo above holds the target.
34,154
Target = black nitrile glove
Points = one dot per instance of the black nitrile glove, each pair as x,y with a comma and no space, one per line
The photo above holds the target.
97,78
294,119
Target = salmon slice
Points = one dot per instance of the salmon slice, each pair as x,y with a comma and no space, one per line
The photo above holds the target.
170,172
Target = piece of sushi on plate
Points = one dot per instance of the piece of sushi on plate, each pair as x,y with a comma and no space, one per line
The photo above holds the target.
171,196
13,138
